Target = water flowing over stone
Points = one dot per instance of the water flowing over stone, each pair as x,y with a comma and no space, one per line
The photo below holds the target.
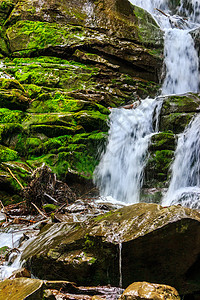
185,183
120,171
181,62
150,5
190,9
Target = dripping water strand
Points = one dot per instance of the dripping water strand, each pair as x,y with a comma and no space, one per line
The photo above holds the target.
120,265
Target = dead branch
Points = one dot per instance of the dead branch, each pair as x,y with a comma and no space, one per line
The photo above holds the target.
51,198
11,173
162,12
40,212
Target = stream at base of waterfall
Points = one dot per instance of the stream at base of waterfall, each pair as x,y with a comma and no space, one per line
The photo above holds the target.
120,172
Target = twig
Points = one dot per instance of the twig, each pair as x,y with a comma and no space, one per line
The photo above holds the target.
11,173
3,207
4,210
162,12
40,212
14,205
54,200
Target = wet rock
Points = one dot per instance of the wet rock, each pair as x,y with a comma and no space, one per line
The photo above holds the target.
23,272
151,291
156,247
83,210
21,288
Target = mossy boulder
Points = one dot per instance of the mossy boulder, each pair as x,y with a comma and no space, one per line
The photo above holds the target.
7,154
158,165
163,141
175,122
187,103
155,242
14,99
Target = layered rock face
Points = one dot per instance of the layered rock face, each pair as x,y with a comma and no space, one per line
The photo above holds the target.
62,65
158,244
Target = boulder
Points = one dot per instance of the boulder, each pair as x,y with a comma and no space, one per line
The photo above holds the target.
21,288
150,291
150,243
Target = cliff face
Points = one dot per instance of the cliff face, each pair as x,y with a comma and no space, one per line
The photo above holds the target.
63,63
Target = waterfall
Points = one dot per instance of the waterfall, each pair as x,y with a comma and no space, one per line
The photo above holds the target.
120,171
182,63
191,9
184,187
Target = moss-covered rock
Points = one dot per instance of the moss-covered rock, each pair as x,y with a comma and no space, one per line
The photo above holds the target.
175,122
158,165
7,154
64,63
163,141
181,104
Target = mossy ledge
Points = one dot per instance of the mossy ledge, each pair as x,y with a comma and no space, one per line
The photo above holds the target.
60,71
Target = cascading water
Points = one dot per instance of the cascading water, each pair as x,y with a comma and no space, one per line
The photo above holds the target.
119,173
182,63
184,187
191,9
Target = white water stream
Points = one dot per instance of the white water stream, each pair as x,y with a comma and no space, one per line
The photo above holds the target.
184,187
120,172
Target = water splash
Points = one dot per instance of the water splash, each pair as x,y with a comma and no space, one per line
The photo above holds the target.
185,183
120,172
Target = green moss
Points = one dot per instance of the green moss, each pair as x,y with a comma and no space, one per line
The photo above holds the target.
175,122
11,116
4,249
39,35
148,31
33,90
162,141
7,154
158,165
58,102
92,120
50,207
89,242
180,104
